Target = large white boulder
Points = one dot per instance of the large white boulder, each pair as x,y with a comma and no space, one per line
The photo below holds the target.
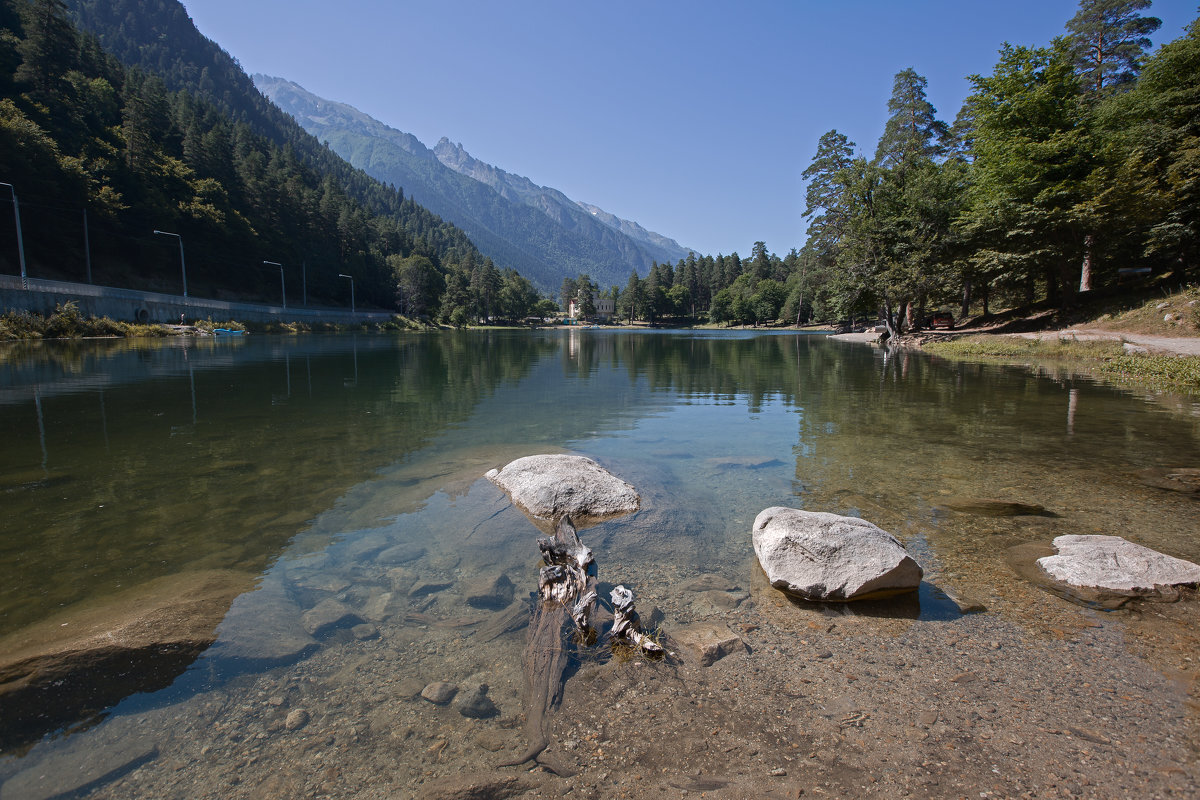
551,486
820,556
1114,564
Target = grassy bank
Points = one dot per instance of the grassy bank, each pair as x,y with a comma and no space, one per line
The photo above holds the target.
1104,359
67,323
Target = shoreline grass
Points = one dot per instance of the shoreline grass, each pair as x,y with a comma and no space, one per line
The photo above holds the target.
1106,360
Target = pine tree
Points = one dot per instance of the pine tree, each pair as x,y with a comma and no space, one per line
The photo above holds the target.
1109,40
913,132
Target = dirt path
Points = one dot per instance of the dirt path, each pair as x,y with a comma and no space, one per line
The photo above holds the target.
1178,345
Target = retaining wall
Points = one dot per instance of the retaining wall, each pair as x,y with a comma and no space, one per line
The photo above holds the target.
130,305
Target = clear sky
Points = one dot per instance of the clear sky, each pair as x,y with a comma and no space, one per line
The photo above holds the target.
694,118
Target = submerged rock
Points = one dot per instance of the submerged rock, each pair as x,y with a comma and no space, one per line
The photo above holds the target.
985,507
1185,480
329,614
496,594
296,719
821,556
550,486
476,704
263,629
439,693
708,642
1113,564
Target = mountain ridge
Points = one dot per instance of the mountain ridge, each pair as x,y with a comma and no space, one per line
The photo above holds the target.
537,230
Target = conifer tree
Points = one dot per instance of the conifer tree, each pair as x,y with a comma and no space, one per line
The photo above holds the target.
1109,40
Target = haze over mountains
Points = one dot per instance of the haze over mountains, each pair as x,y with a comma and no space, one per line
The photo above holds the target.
536,230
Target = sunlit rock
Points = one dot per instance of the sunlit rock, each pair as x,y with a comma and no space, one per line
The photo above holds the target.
820,556
1113,564
550,486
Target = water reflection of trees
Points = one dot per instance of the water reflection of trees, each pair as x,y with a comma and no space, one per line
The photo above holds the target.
167,468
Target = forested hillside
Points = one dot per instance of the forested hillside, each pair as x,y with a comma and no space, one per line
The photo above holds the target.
87,141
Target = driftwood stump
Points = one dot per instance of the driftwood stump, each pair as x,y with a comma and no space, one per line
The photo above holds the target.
566,607
563,588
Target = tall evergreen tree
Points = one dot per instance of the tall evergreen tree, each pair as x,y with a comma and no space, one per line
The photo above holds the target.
913,132
1108,41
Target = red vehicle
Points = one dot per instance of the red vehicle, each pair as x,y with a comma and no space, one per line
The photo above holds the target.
941,319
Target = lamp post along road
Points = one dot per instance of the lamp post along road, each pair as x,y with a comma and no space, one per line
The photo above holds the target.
182,263
20,240
282,286
341,275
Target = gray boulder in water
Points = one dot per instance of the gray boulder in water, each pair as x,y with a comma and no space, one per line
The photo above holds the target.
550,486
1113,564
821,556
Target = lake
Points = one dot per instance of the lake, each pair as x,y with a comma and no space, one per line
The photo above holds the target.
327,494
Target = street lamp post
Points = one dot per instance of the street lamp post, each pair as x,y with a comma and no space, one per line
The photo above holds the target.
282,286
341,275
182,263
20,240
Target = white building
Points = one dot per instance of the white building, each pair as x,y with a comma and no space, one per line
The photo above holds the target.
605,308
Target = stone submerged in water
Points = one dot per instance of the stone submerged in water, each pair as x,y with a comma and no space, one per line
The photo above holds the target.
827,557
1113,564
986,507
550,486
709,642
475,703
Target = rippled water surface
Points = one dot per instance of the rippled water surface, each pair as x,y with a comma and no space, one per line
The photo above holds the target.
349,469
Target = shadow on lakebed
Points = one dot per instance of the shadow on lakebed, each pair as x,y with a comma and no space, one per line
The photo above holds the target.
67,669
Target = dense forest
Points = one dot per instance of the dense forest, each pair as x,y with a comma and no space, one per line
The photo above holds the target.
102,153
1067,164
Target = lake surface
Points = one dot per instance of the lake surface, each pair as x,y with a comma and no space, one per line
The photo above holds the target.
350,468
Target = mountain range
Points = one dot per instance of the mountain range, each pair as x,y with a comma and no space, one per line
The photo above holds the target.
537,230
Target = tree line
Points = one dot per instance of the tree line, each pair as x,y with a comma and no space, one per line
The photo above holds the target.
1066,164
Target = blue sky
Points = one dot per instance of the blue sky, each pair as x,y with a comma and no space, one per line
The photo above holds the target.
693,118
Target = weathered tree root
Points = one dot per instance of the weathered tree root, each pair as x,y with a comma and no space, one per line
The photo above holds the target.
566,591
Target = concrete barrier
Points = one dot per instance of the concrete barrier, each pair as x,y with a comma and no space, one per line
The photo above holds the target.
129,305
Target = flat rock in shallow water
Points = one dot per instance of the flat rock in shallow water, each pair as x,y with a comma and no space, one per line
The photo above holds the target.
820,556
495,594
1114,564
1185,480
985,507
329,614
550,486
262,629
